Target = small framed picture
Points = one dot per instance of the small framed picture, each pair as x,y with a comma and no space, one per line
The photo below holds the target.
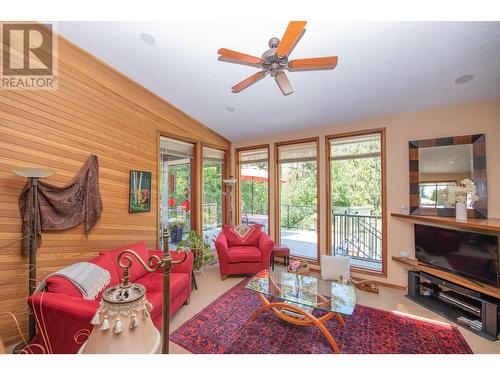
140,192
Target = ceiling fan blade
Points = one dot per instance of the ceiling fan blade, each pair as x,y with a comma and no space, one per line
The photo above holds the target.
249,81
230,54
283,83
315,63
290,38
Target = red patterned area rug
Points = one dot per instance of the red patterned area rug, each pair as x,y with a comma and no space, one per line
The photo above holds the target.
223,327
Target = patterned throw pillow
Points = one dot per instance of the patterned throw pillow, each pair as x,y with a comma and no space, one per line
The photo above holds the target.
242,235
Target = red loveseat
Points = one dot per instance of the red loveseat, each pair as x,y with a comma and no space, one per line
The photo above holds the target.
245,252
63,316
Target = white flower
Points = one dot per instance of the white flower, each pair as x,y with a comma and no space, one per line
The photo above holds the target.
465,191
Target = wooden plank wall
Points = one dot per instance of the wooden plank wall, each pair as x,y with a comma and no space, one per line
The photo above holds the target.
95,110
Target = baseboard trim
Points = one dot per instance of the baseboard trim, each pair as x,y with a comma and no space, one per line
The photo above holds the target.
382,283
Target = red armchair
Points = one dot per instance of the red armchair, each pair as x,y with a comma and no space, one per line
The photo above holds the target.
63,316
240,256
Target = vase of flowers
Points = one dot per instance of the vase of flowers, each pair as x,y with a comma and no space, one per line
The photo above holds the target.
460,194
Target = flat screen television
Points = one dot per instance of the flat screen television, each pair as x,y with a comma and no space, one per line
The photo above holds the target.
470,254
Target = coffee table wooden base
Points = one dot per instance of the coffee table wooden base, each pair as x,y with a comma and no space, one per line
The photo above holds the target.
309,319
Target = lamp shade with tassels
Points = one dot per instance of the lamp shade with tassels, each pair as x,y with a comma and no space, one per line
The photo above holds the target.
123,324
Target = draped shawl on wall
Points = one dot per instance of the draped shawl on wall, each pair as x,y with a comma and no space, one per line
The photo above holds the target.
63,207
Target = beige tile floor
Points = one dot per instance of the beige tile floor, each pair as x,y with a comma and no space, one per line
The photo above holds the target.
210,287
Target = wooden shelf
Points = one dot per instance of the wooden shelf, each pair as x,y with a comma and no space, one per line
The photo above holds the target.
480,225
489,290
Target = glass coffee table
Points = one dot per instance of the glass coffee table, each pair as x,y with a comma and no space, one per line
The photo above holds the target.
292,297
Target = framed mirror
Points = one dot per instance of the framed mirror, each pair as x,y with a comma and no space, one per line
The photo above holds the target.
438,165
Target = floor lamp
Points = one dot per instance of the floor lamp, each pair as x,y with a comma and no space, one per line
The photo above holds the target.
34,174
230,183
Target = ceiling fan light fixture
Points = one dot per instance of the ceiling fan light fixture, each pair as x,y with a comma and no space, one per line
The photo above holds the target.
283,83
275,60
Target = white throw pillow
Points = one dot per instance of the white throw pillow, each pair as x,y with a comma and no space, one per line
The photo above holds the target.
332,266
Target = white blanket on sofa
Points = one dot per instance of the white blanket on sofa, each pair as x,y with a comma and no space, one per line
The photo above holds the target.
87,277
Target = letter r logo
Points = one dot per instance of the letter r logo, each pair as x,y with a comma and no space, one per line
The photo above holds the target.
27,49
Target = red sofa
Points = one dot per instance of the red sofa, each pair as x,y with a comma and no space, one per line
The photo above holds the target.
242,255
63,316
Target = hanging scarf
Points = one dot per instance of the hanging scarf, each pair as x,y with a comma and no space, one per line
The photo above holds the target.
63,207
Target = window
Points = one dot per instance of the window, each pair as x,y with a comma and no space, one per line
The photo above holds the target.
212,210
176,165
253,186
297,180
356,180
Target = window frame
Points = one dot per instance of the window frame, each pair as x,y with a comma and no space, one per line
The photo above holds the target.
383,157
224,175
196,183
193,180
277,195
237,209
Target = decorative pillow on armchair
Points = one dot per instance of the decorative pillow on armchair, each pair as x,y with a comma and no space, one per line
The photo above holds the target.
242,235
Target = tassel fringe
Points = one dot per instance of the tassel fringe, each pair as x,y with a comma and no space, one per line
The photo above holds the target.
118,327
133,322
96,319
105,324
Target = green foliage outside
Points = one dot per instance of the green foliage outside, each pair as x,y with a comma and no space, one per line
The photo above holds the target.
255,203
355,179
298,195
212,194
182,190
356,174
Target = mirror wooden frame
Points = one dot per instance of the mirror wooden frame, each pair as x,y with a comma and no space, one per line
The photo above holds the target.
478,142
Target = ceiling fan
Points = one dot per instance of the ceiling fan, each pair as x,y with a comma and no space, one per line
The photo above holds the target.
275,60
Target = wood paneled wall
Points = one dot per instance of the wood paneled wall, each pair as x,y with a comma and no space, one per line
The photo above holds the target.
95,110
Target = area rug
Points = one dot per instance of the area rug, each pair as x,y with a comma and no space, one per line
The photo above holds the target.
223,327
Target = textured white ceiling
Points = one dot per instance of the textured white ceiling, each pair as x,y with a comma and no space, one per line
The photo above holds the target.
384,68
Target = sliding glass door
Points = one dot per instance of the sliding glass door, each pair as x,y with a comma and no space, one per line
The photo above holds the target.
176,166
212,210
253,186
356,198
297,180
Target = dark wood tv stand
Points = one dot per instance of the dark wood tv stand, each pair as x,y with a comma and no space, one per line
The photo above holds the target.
453,301
480,287
485,297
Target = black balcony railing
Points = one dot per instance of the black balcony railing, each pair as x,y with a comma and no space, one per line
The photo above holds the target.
357,236
353,235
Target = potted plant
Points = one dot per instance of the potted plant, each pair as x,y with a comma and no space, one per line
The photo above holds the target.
200,247
176,231
173,232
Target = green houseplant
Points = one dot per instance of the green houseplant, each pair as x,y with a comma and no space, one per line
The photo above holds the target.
200,247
